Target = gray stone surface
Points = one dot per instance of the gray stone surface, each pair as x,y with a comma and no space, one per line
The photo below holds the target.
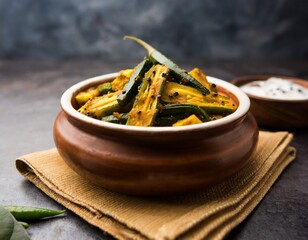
180,28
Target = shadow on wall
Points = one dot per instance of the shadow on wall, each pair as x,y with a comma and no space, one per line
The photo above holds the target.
205,28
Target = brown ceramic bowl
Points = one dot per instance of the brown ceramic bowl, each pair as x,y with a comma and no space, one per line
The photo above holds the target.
275,113
155,160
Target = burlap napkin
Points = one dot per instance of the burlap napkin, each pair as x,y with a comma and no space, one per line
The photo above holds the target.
210,213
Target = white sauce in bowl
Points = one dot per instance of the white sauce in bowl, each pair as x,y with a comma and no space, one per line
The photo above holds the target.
276,88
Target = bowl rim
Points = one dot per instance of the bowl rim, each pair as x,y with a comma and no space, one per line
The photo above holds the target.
249,78
67,107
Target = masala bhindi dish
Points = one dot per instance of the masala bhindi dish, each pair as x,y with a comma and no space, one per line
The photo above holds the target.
157,92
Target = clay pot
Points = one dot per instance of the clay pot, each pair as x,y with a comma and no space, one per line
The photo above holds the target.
155,160
274,113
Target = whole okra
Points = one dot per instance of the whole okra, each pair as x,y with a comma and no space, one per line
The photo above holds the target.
24,213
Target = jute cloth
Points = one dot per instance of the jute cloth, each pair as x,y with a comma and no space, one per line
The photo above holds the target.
207,214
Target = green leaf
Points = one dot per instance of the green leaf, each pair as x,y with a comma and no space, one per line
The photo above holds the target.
10,229
6,224
19,232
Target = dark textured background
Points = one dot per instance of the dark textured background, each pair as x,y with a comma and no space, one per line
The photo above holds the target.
229,29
